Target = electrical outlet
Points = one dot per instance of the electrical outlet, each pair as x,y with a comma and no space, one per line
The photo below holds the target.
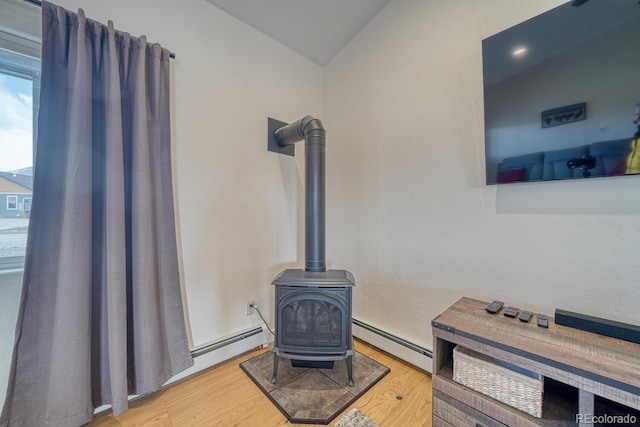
250,309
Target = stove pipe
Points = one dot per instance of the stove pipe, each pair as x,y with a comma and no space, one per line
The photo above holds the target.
313,133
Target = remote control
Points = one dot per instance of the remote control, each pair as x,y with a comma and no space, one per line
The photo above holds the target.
525,316
543,321
511,311
494,307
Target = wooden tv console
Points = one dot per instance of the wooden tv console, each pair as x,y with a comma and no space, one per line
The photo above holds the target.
589,379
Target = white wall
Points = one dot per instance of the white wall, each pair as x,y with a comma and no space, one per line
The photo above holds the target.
408,211
237,203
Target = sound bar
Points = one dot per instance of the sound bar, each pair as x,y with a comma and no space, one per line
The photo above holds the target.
609,328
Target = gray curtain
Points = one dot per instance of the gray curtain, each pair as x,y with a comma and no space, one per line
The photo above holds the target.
101,315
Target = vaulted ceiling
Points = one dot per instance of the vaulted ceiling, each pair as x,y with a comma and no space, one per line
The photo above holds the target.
316,29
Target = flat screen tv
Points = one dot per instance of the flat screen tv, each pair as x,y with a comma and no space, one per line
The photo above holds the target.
560,91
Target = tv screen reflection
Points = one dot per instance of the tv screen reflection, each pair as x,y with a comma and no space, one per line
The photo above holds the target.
560,94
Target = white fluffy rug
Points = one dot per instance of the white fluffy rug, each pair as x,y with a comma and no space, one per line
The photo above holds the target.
355,418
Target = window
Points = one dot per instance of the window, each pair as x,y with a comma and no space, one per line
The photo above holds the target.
12,203
19,94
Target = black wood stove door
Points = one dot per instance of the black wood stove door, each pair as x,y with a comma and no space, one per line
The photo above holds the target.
313,320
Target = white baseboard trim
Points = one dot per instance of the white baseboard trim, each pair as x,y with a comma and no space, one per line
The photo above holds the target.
414,354
221,350
210,355
243,341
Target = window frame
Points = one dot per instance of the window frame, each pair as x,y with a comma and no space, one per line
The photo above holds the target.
20,34
14,197
25,71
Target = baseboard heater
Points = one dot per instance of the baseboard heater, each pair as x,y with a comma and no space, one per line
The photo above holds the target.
198,366
225,342
393,338
423,351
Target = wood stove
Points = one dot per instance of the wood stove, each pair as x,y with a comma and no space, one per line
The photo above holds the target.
313,306
313,319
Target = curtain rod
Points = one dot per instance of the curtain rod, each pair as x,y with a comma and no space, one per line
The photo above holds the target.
39,4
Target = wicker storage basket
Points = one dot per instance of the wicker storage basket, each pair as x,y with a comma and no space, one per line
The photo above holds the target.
499,380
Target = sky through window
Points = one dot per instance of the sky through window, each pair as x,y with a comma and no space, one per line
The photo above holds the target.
16,123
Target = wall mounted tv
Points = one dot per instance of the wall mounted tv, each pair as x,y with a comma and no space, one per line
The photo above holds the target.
560,91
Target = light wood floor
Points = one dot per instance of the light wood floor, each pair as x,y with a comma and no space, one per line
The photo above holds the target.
225,396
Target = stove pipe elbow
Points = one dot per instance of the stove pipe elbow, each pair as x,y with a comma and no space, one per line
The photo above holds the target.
312,131
300,130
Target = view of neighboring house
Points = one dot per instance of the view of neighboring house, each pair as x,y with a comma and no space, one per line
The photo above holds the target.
15,195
